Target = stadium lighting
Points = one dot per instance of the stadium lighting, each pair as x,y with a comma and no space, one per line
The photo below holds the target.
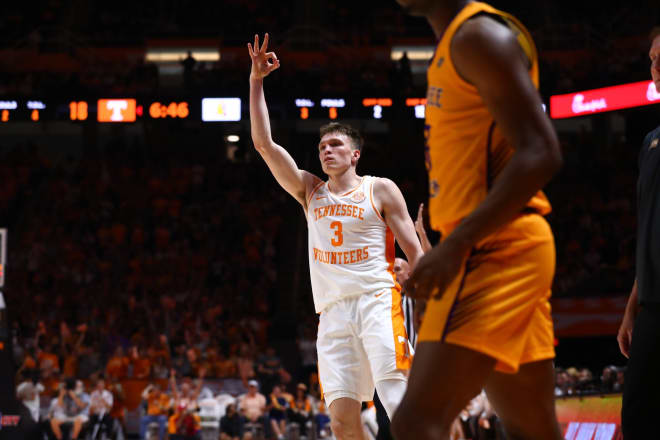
173,55
233,138
415,53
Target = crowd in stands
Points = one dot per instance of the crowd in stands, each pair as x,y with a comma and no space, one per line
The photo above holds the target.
122,268
368,22
574,381
127,268
178,411
613,41
594,217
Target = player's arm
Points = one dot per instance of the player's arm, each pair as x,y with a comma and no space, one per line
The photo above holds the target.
296,182
395,212
624,336
487,55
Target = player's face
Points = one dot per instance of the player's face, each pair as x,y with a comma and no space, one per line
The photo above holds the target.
401,270
336,153
654,53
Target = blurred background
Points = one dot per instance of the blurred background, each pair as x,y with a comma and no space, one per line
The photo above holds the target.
146,237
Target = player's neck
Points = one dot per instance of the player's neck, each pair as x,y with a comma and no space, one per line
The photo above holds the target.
346,181
440,18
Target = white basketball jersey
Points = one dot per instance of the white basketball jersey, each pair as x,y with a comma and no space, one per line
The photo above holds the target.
351,249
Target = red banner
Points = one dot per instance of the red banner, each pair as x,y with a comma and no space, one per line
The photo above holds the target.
588,316
604,100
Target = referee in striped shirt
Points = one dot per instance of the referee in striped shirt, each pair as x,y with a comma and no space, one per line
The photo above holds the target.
412,313
402,271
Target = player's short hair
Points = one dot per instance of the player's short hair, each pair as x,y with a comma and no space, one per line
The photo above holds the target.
655,33
347,130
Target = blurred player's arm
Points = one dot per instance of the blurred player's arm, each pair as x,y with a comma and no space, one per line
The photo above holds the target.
298,183
395,211
488,55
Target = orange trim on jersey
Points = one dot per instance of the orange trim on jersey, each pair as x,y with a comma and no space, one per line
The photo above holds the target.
401,348
354,189
390,255
371,198
309,199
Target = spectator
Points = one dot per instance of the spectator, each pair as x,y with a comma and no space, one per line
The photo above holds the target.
608,379
118,411
478,418
231,424
48,360
68,408
223,366
253,405
245,364
117,366
101,402
301,408
28,393
186,397
620,374
84,397
184,424
322,420
157,405
141,363
562,382
270,370
279,405
188,67
307,348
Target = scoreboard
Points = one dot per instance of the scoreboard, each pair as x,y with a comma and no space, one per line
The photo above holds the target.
126,110
354,108
112,110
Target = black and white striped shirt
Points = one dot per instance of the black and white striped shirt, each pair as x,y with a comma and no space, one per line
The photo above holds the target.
408,306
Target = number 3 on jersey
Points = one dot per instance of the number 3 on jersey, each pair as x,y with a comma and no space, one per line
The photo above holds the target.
338,239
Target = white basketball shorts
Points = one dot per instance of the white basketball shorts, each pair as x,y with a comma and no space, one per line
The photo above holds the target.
361,341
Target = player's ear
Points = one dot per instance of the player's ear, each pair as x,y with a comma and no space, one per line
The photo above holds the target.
356,154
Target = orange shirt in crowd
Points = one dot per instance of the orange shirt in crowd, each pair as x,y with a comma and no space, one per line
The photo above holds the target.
70,367
141,368
225,368
158,404
117,367
48,360
174,420
118,410
29,362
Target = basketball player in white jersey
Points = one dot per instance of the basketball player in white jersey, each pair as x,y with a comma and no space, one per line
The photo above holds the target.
353,222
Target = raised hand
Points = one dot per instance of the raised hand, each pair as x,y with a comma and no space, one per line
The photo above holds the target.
421,232
262,62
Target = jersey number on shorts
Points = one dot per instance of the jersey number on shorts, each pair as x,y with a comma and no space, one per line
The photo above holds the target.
338,239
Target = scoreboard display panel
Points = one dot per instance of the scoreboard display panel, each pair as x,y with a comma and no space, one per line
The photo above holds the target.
102,110
128,110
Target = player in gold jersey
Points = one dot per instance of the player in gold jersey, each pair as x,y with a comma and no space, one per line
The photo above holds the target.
490,150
